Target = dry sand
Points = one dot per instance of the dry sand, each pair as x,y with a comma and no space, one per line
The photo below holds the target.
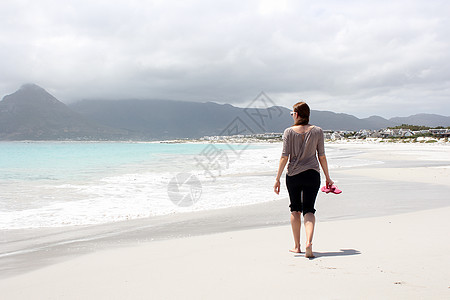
402,256
395,257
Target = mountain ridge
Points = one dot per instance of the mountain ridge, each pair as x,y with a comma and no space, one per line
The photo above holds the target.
31,113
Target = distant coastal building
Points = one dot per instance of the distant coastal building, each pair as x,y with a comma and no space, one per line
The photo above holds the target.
397,133
385,133
336,135
440,132
332,135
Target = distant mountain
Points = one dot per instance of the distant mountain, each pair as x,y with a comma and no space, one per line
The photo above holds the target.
340,121
31,113
163,119
430,120
376,122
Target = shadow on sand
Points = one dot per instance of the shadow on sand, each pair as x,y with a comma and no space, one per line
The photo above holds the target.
342,252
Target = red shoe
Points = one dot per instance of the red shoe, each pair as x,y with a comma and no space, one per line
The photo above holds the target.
325,189
335,190
332,189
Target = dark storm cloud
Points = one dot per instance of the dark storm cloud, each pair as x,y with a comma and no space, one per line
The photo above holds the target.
361,57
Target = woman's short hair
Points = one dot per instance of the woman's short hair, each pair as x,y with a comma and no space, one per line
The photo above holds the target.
303,112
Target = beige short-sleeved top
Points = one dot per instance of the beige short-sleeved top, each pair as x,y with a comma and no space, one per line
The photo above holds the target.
302,148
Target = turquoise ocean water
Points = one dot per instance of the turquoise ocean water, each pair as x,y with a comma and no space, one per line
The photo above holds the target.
54,184
61,161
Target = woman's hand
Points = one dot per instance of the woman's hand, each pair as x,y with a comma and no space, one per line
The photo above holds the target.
276,187
283,162
324,165
329,182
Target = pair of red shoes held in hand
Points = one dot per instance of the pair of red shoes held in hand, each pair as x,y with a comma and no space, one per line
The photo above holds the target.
331,189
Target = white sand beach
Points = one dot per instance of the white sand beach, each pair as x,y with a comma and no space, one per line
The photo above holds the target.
403,254
395,257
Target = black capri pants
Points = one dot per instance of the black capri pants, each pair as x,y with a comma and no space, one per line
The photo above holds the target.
303,189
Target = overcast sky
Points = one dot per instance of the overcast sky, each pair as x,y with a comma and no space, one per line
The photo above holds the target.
387,58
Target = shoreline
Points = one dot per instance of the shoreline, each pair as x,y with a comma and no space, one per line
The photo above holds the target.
255,140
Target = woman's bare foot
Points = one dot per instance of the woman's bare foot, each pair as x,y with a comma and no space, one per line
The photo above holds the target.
295,250
308,251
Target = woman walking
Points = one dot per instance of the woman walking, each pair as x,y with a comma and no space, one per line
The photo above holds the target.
303,146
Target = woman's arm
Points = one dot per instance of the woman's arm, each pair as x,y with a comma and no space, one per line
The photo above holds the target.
283,162
324,165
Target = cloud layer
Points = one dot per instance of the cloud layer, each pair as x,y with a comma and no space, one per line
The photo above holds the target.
390,58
